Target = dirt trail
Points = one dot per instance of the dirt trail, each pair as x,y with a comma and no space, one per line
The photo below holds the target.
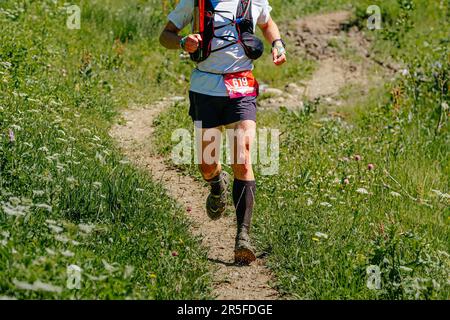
320,36
342,55
231,282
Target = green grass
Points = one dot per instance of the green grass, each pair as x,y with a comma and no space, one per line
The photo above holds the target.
59,91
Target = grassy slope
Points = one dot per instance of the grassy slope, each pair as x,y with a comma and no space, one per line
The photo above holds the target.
401,225
396,133
59,89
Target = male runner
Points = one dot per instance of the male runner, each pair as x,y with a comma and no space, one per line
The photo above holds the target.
223,94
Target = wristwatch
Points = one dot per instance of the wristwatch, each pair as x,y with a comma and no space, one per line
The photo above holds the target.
183,42
280,45
278,40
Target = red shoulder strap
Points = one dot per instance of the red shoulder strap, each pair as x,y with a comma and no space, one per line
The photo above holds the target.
201,7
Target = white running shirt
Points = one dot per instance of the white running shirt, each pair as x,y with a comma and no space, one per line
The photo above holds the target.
229,60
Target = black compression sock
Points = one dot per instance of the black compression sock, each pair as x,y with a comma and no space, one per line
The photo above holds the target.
217,184
244,198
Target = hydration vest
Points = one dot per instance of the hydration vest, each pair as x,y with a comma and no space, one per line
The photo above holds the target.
243,21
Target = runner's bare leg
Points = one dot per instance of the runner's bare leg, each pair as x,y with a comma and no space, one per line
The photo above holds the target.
209,155
209,151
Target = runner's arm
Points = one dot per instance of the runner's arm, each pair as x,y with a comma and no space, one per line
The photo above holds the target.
171,39
271,33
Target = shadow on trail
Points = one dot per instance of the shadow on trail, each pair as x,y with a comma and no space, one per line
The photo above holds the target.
227,264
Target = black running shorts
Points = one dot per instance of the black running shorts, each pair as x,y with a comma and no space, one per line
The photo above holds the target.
215,111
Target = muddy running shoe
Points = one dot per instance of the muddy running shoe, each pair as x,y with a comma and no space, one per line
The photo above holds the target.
244,253
216,204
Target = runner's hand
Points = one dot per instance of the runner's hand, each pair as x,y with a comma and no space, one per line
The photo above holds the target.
191,43
278,60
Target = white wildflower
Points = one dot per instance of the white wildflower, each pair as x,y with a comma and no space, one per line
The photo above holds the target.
99,278
445,254
395,194
321,235
50,251
14,201
38,285
406,269
61,238
62,140
86,228
436,284
67,253
38,193
100,158
12,210
128,271
326,204
309,202
441,194
40,260
41,286
44,206
71,180
362,191
109,267
6,64
55,228
22,285
97,184
404,72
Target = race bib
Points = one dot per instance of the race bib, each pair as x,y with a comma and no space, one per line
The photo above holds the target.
241,84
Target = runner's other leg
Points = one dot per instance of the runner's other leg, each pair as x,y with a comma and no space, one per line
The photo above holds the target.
241,136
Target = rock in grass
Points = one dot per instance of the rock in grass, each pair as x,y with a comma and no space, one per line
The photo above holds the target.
274,92
177,99
293,88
